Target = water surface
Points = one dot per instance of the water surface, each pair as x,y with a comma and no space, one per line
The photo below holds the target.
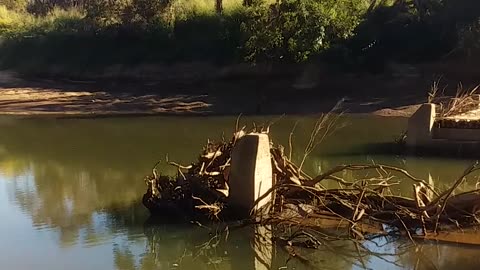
70,192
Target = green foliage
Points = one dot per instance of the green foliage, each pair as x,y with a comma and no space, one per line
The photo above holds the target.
218,44
66,41
146,11
19,24
44,7
16,5
411,31
125,12
352,33
11,21
40,7
293,30
104,13
287,30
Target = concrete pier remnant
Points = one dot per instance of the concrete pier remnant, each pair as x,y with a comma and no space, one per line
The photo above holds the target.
250,173
420,125
252,247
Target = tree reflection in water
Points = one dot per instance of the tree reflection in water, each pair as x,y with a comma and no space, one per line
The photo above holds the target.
193,247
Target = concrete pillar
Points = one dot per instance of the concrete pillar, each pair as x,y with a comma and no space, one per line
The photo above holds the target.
250,173
419,132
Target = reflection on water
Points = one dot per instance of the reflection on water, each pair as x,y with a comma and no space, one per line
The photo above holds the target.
70,192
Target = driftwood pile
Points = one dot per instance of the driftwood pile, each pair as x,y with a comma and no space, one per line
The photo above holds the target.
370,200
197,187
201,190
465,100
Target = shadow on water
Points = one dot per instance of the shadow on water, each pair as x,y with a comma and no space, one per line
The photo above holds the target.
392,148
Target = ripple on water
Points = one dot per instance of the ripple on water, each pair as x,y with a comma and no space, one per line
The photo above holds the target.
42,226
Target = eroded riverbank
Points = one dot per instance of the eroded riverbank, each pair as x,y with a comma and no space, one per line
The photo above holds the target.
73,98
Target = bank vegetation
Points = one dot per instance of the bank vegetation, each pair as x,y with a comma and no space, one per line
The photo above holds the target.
348,34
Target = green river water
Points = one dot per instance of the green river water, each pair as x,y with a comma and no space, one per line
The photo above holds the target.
70,192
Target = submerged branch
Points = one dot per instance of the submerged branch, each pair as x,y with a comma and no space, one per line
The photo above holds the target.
202,190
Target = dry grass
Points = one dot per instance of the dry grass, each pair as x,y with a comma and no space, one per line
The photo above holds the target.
465,100
19,22
203,6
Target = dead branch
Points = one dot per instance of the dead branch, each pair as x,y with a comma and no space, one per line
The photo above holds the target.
202,189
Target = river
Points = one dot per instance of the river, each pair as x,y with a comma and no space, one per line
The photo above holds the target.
70,192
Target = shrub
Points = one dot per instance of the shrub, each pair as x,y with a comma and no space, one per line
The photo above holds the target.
16,5
208,38
403,32
102,13
40,7
147,11
12,21
43,7
293,30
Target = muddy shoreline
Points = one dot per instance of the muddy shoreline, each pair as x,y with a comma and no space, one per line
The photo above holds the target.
272,94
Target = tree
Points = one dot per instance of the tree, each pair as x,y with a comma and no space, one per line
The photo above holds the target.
219,6
293,30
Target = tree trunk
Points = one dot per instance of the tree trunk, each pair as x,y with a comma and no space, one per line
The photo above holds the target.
219,6
372,6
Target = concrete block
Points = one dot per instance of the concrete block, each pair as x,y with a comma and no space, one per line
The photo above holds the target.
419,132
456,134
250,173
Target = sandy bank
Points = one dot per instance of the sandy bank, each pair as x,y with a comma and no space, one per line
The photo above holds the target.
49,97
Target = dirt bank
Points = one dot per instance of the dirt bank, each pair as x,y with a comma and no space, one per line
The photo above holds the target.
20,96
